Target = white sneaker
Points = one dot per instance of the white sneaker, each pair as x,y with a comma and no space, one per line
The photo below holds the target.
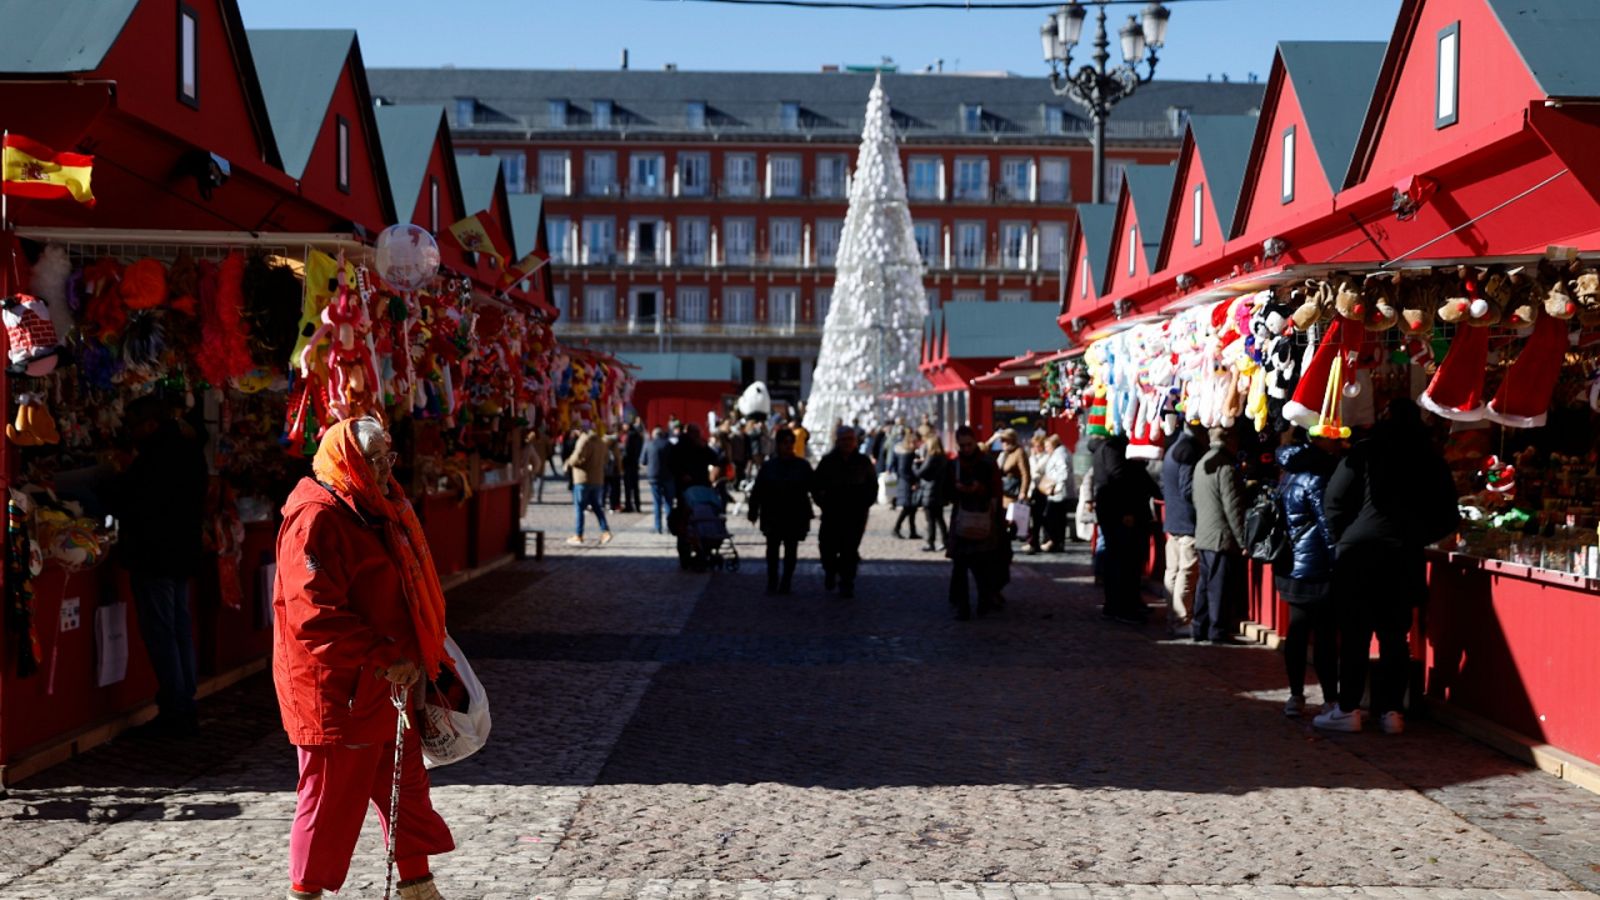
1294,707
1393,722
1337,719
575,541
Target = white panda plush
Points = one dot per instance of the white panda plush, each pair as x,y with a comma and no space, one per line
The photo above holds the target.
755,403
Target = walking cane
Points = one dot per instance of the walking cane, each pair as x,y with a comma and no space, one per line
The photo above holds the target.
397,695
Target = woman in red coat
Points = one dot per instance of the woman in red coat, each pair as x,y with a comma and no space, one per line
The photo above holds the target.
357,614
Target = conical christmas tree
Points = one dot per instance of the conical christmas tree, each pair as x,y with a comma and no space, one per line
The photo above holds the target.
872,339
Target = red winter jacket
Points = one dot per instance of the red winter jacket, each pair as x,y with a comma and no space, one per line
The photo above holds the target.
339,617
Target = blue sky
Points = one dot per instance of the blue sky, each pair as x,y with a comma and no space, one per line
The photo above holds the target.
1235,37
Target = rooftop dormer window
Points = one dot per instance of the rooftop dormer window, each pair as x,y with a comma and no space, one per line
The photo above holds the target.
789,116
694,115
971,118
602,113
558,113
466,111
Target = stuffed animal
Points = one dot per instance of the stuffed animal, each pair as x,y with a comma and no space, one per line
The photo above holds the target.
1457,389
1419,302
34,426
33,346
1315,302
1369,304
1471,305
1587,291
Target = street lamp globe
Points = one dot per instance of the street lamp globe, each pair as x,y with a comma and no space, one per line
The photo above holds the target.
1155,25
1132,41
1050,42
1069,24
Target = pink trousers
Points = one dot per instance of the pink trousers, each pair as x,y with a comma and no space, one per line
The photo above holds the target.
336,784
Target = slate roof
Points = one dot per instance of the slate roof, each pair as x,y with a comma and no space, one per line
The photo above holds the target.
1150,189
477,175
527,217
1334,81
980,329
1097,221
299,69
1224,145
831,104
683,366
60,37
408,134
1556,39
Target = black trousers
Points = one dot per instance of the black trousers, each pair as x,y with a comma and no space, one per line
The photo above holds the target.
1375,589
981,567
630,489
791,549
1315,627
1055,524
1036,530
839,540
1215,597
1122,569
908,513
938,529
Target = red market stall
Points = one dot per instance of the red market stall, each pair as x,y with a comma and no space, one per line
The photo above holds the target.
685,386
964,341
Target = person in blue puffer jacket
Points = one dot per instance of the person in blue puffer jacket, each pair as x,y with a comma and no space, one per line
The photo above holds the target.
1307,463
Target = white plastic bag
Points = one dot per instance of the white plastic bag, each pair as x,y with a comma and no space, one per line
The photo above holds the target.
1017,514
449,735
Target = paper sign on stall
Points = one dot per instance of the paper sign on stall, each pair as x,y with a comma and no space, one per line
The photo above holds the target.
111,643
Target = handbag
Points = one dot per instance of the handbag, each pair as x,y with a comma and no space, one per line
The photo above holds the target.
455,713
970,524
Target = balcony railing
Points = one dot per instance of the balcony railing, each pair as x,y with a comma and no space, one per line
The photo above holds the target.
829,189
648,327
986,261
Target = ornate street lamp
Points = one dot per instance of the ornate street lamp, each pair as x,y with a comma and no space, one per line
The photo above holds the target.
1096,87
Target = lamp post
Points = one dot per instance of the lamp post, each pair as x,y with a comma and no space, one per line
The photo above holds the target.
1095,87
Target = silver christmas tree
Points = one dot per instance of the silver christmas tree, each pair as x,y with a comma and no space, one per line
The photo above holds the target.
872,339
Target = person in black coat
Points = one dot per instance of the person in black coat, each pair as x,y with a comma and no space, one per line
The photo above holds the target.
930,484
1306,581
904,466
1122,495
654,460
781,502
845,487
1391,497
1182,572
632,451
972,482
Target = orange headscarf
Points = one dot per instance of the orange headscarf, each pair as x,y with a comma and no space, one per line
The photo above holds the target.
340,464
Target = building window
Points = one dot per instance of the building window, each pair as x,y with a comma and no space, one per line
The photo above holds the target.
692,240
783,176
1446,106
924,178
555,236
342,129
933,299
1014,245
739,175
1178,119
967,297
785,242
738,305
694,115
971,117
1199,213
783,307
433,204
188,55
563,301
694,305
1015,296
824,303
1133,245
694,174
1116,170
646,241
1288,164
1055,120
739,241
1083,276
558,116
828,232
599,241
599,304
1055,180
1052,246
969,245
466,111
789,116
555,173
514,165
645,177
602,113
927,234
972,178
1016,178
600,173
831,169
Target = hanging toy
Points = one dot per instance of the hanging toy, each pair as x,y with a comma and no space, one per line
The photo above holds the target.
1456,391
34,344
1330,425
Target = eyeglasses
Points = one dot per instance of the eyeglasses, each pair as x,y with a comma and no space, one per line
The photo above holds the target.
387,459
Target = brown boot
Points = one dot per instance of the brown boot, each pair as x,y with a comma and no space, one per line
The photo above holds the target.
304,895
420,889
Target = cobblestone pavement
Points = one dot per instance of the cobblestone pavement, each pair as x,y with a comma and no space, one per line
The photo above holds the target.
673,735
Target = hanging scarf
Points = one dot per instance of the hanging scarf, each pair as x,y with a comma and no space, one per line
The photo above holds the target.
340,465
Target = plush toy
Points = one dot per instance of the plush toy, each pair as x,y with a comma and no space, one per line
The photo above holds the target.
271,300
104,314
51,276
33,345
1419,302
144,345
34,426
1586,288
144,285
1315,301
1456,391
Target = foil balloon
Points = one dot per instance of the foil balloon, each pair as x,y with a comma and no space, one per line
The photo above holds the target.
407,256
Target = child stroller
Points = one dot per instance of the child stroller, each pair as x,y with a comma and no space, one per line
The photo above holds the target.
703,538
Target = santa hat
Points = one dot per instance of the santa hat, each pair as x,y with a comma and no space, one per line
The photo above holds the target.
1145,438
1456,391
1342,341
1524,397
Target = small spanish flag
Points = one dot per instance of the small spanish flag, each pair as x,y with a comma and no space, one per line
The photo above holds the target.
481,233
30,169
523,267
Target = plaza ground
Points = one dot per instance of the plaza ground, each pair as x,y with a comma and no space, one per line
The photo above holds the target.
667,734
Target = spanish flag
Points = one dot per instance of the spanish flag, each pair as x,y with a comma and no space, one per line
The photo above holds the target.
30,169
481,233
523,267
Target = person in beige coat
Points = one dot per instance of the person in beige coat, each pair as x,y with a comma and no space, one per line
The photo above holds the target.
588,467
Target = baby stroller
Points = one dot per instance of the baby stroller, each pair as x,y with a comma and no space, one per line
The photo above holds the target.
703,538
